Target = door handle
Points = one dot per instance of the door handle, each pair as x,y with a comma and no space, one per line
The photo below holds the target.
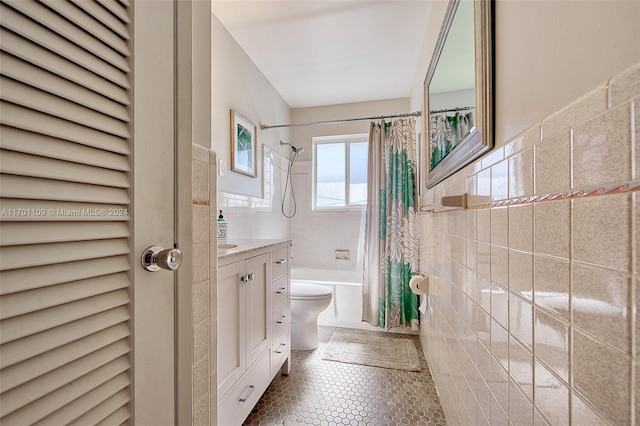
155,258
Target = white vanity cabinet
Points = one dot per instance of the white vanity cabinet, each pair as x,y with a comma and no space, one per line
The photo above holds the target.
252,326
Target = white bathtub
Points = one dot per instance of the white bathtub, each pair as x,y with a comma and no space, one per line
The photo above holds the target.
345,309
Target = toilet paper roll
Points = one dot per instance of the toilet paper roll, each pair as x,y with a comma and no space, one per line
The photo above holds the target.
423,305
419,284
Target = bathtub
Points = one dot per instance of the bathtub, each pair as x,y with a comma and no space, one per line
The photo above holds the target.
345,309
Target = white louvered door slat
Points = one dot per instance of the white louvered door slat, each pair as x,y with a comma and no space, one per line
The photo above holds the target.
101,14
78,17
16,163
46,59
26,256
21,25
105,400
32,98
47,232
37,122
14,186
68,271
32,368
18,140
69,31
35,300
47,383
16,205
116,8
23,349
50,403
47,319
17,280
26,73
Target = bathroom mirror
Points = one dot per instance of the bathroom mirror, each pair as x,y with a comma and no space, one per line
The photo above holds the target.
458,91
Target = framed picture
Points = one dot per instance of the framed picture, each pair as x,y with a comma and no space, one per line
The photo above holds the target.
243,145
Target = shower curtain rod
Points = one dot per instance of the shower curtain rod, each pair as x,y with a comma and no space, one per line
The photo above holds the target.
452,109
345,120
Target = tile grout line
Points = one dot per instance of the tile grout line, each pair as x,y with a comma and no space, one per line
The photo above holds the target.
571,330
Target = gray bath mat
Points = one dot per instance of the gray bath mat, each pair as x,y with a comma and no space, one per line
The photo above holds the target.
374,350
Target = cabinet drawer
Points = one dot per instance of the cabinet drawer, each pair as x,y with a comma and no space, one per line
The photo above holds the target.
236,405
279,261
280,350
281,319
279,291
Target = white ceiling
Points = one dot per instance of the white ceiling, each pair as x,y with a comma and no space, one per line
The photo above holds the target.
330,52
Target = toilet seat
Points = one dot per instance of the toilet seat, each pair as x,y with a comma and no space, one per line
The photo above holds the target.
301,291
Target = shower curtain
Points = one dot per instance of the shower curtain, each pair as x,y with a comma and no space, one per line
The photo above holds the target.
391,230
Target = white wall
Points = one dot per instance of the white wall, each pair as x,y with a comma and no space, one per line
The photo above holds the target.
547,54
459,98
251,206
237,83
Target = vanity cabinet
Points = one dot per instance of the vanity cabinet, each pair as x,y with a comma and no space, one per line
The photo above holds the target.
253,328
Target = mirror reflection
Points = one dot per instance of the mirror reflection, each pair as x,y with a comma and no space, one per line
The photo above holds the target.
451,90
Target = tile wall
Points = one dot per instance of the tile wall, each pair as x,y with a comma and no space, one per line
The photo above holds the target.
331,231
252,217
204,285
248,218
539,316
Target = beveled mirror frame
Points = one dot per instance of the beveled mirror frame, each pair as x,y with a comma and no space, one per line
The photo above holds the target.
480,141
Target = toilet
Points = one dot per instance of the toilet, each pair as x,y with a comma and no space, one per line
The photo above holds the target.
307,301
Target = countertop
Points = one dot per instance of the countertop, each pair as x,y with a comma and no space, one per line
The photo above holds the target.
247,245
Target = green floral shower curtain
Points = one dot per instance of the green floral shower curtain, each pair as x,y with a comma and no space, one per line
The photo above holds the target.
391,232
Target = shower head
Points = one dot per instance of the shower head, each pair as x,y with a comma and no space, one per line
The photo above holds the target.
296,151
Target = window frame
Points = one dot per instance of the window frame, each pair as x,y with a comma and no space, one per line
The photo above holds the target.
346,140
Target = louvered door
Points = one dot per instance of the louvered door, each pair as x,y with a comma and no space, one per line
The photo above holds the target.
77,312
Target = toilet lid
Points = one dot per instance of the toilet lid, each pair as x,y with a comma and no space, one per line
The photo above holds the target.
303,291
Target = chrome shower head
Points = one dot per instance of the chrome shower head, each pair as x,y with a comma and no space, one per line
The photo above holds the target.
296,151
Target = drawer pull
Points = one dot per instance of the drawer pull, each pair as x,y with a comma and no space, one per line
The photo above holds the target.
278,351
281,290
281,261
244,398
281,320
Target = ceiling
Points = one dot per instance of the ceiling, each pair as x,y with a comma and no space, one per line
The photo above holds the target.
325,52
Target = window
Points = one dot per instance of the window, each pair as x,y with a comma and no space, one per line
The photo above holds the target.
340,172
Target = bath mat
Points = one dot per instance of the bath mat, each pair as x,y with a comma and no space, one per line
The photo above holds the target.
373,350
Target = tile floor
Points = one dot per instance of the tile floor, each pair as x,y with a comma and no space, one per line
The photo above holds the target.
321,392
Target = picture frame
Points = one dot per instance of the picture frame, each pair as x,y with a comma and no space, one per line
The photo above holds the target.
244,135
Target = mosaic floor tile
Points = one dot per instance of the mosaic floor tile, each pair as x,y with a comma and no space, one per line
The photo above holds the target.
330,393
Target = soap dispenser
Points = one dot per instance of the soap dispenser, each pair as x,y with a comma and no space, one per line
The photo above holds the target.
222,227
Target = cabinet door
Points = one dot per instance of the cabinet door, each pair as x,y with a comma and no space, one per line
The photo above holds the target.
232,294
258,305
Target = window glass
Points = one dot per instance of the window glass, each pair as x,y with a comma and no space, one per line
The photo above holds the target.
330,175
340,179
358,173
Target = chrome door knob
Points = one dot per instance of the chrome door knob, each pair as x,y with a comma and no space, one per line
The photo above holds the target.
155,258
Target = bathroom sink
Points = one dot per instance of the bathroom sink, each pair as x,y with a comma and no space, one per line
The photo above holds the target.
226,246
